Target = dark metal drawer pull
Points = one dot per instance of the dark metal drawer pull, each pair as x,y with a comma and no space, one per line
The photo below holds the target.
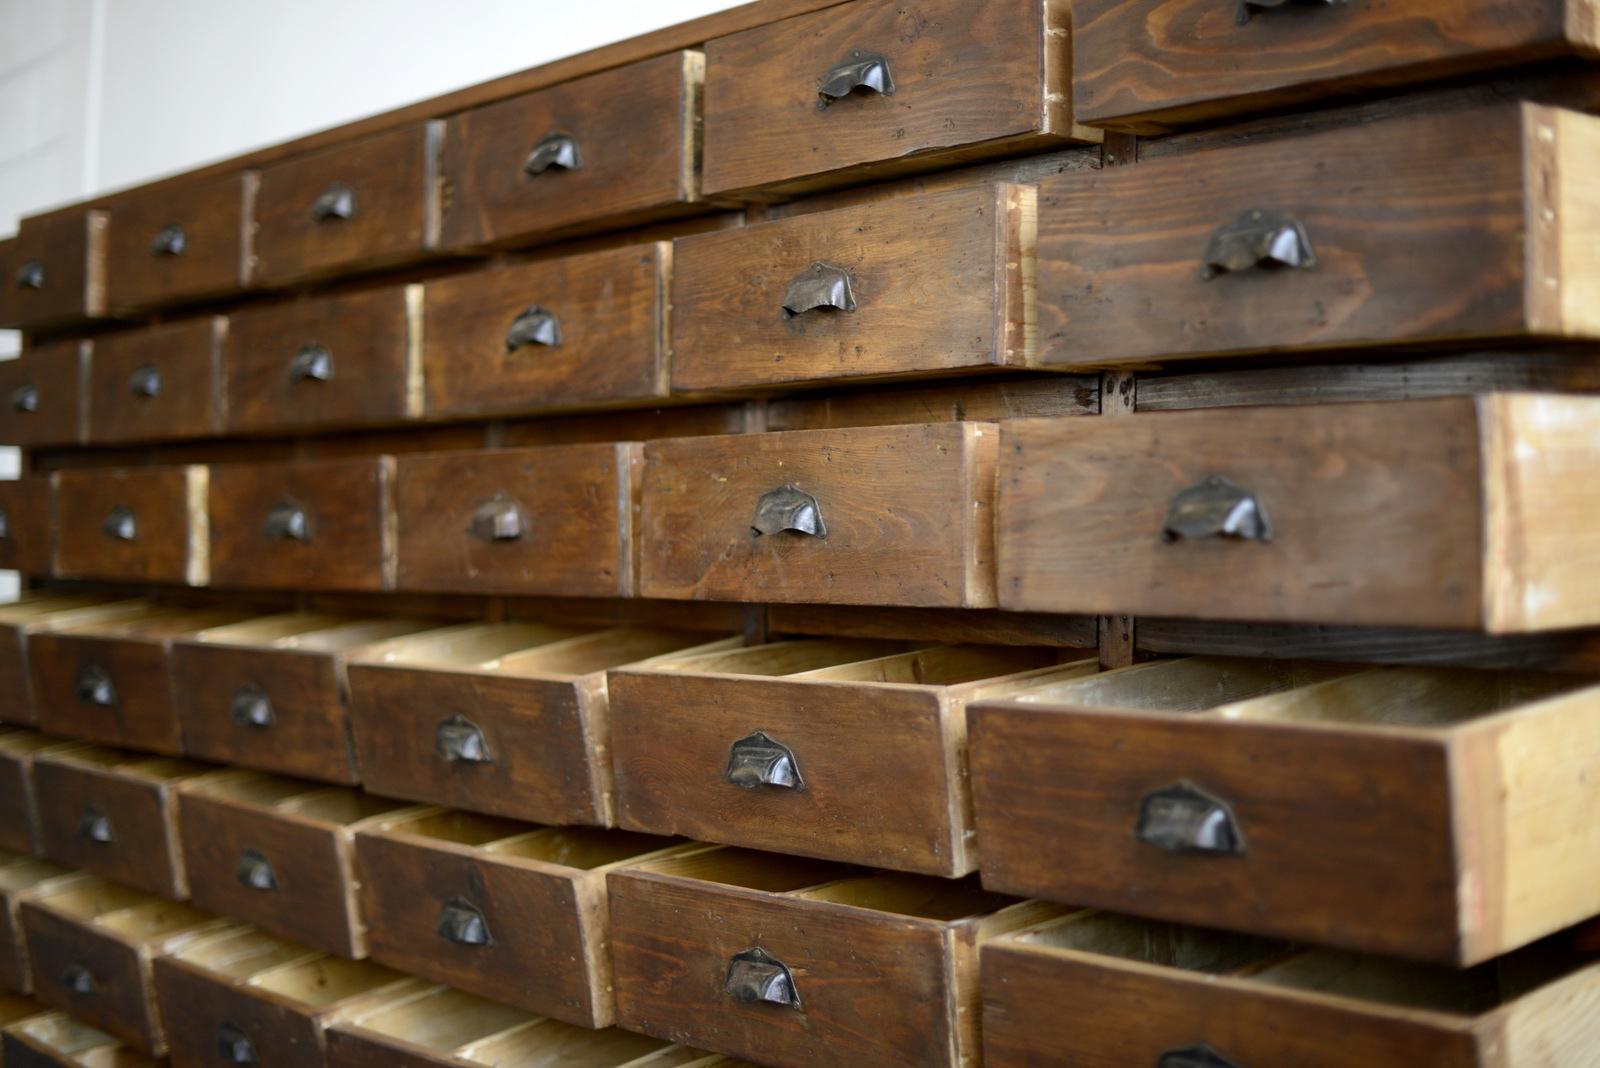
498,519
788,508
25,399
234,1046
338,201
756,976
1216,508
1182,818
1194,1057
461,922
1258,239
761,760
95,826
145,381
821,285
255,871
95,687
866,71
1250,8
121,524
78,979
535,326
30,275
553,150
312,362
170,240
461,741
288,522
252,707
5,525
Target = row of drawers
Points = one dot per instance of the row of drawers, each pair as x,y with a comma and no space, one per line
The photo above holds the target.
800,965
1452,513
1283,784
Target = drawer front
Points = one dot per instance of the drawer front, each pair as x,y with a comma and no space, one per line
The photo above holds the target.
878,88
121,826
156,383
178,244
1374,514
15,970
138,524
883,515
369,203
53,271
419,903
99,979
611,149
555,521
846,293
575,331
324,524
335,361
41,398
25,525
274,710
1143,64
202,1011
107,690
18,834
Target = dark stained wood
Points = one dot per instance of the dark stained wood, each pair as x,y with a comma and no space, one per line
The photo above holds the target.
25,528
70,250
1012,397
634,425
32,613
212,213
165,509
932,624
49,378
21,876
186,357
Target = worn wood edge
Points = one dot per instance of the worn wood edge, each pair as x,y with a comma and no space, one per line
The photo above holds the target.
1016,273
197,488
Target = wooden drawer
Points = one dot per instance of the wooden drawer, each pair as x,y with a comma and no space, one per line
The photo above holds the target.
610,150
1101,989
845,293
504,718
277,853
177,243
495,908
25,525
346,360
56,1040
1452,513
145,524
325,524
1431,227
18,750
243,997
877,515
845,750
114,813
34,613
41,395
792,963
91,944
19,877
354,206
270,693
1148,64
1418,812
554,520
156,383
876,88
53,272
575,331
108,681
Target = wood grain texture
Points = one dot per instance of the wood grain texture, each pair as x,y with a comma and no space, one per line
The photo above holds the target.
186,357
906,511
1012,397
637,425
20,877
50,378
933,624
70,250
169,539
18,750
29,615
610,306
25,527
212,215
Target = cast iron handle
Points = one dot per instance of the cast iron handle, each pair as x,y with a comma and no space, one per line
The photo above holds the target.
1216,508
755,976
461,922
553,150
25,399
498,519
252,707
170,240
761,760
535,326
78,979
1248,9
145,381
30,275
338,201
788,508
312,362
461,741
1183,818
1201,1056
121,524
866,71
95,826
821,285
288,522
1258,239
234,1046
5,525
255,871
95,687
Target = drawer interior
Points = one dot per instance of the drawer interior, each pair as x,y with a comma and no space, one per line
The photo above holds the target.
129,914
442,1020
310,632
583,848
16,741
918,896
550,1042
325,981
35,608
14,1007
533,650
311,801
19,873
63,1035
156,623
1193,684
775,873
137,765
243,952
154,920
781,658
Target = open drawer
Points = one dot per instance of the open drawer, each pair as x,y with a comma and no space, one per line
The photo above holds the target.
506,910
845,750
1095,988
1431,813
278,853
19,830
504,718
19,877
91,944
797,962
56,1040
269,693
35,613
241,996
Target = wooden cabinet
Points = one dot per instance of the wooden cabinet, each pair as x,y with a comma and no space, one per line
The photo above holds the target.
19,832
136,524
41,394
56,1040
53,272
33,613
20,876
25,527
179,243
155,383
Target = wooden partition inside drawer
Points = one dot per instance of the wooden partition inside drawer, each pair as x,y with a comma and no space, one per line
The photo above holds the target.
155,383
56,1040
798,962
1098,988
33,613
503,718
277,853
241,996
109,681
505,910
114,813
142,524
25,528
270,693
53,272
845,750
21,876
176,243
41,394
91,944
